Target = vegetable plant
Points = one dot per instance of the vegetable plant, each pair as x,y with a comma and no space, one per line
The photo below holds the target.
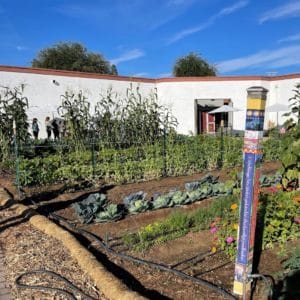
87,208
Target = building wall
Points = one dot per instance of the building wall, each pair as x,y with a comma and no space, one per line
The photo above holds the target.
44,95
45,87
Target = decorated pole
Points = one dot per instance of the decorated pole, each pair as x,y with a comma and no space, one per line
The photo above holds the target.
252,149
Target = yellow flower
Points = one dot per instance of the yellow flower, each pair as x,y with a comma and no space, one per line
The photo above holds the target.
214,249
233,206
235,226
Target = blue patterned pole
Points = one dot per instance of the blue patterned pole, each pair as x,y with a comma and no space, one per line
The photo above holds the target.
255,114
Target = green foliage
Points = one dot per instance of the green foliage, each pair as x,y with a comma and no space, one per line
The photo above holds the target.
295,105
176,225
275,222
293,262
132,120
193,65
72,57
136,202
162,201
266,181
291,159
111,213
180,198
180,156
87,208
75,110
13,107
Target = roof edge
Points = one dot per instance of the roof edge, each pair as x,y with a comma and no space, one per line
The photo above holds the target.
43,71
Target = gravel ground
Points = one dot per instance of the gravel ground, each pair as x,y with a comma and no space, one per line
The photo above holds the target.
27,249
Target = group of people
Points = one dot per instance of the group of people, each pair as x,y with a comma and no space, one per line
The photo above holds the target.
57,126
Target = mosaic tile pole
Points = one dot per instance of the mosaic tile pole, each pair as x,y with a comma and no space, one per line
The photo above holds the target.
252,149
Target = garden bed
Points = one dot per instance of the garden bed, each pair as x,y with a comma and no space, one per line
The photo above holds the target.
191,252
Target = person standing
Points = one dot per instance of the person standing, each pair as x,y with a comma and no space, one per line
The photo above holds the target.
35,128
48,127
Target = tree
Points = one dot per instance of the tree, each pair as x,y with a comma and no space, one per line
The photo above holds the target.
114,70
193,65
72,57
295,106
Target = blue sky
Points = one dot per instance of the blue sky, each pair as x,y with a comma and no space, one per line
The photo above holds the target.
145,37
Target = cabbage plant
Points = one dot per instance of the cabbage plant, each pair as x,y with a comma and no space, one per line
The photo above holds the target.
87,208
111,213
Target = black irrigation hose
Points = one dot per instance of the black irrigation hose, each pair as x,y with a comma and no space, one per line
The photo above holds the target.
154,265
8,204
51,289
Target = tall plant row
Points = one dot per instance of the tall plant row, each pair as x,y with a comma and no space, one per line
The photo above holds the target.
116,119
13,107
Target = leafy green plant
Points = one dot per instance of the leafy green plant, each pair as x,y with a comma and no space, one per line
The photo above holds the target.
13,106
266,181
162,201
277,222
177,225
179,198
87,208
291,160
292,264
295,105
136,202
112,212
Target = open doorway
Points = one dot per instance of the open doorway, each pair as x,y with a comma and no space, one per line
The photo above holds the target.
210,123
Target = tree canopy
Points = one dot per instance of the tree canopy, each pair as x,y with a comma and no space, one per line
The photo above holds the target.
193,65
72,57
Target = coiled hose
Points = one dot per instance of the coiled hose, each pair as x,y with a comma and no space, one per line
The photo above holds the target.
51,289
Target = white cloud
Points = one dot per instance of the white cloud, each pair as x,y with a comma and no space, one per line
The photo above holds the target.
282,57
291,9
290,38
223,12
129,55
21,48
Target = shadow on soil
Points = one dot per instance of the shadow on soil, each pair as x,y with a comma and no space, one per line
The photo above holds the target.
55,206
127,278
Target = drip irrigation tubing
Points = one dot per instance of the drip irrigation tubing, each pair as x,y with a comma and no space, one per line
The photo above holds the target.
148,263
51,289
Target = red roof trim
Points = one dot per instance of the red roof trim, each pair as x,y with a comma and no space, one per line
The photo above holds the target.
73,74
141,79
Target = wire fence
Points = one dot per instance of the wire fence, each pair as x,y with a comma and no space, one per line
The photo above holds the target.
48,161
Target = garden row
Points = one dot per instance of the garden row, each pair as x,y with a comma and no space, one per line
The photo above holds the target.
171,157
96,207
278,221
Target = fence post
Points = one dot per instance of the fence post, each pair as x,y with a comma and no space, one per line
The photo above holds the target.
252,149
93,154
164,152
16,148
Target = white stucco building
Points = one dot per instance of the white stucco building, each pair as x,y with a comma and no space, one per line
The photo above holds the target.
188,98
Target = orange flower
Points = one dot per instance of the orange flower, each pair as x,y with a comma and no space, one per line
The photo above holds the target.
233,206
214,249
297,199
